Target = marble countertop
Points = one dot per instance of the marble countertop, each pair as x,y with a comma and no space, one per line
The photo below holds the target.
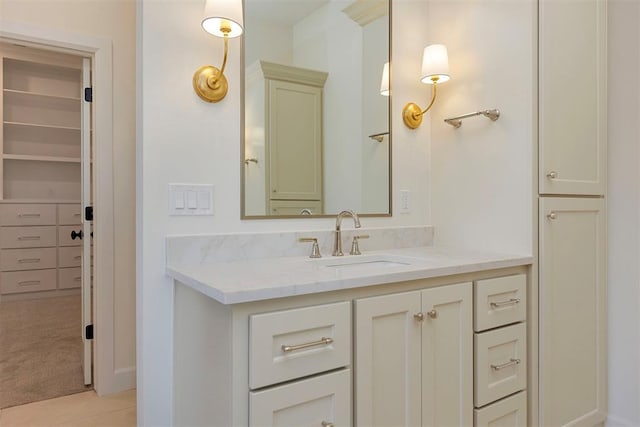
241,281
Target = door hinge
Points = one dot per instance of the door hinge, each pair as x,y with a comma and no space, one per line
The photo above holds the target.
88,332
88,213
88,94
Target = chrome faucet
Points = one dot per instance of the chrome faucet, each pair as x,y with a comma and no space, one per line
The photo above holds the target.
337,243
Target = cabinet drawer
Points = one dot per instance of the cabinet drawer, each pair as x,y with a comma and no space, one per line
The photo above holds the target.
289,344
64,235
27,259
501,363
69,214
70,256
509,412
27,237
69,278
500,301
318,401
27,214
28,281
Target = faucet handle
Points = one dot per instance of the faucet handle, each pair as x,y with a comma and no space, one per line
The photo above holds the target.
315,249
355,249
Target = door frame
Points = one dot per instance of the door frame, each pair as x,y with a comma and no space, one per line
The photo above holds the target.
106,377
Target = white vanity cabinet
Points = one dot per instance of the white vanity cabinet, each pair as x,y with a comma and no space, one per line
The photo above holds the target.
391,354
414,358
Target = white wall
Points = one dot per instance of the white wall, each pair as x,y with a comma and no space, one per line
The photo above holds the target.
182,139
624,211
113,20
482,172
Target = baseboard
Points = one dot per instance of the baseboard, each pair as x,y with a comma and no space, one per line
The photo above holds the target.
123,379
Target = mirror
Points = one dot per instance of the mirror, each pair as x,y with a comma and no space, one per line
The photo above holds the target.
316,135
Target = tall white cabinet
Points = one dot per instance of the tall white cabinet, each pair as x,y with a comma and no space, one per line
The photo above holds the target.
571,218
40,145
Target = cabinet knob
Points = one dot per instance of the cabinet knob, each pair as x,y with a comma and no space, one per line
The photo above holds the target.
433,314
419,317
552,216
327,424
552,175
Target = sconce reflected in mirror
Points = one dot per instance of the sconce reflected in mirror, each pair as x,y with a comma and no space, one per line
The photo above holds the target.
384,83
222,18
435,70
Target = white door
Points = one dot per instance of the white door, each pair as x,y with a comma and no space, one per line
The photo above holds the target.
447,356
387,360
573,97
87,319
573,339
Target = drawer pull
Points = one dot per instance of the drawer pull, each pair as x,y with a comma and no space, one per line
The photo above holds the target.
28,260
29,215
28,237
29,283
510,301
77,279
76,214
327,424
321,341
507,364
77,257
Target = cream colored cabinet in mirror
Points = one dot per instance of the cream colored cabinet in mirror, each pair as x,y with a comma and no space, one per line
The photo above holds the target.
312,72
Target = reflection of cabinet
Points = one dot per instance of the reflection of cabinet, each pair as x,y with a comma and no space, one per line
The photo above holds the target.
573,311
41,125
398,337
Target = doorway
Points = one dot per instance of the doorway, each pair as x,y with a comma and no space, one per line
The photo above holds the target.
45,227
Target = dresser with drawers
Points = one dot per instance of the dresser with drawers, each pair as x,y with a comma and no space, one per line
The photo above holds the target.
38,256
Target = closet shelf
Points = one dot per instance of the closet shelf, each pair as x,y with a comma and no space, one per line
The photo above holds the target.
34,125
41,95
28,157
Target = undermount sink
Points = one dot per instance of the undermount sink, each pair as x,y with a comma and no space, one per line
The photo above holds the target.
378,261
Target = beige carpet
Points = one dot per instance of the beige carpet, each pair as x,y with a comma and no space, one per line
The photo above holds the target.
40,350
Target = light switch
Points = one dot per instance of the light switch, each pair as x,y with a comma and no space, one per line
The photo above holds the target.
192,201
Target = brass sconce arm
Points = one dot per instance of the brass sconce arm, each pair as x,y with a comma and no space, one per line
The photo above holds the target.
412,113
209,82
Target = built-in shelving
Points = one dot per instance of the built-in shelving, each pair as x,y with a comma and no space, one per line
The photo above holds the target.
27,94
35,125
32,158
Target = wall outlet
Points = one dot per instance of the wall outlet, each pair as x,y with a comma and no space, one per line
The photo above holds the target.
190,199
405,201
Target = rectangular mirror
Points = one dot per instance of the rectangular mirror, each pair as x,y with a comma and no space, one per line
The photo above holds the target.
316,134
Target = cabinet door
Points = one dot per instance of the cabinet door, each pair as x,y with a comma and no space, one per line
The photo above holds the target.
387,360
294,141
319,401
573,341
573,98
447,356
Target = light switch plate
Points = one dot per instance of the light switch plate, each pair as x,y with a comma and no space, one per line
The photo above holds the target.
405,201
190,199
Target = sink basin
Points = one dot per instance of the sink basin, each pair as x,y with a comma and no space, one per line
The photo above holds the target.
364,262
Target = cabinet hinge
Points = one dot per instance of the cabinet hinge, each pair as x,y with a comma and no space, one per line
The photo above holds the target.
88,94
88,332
88,213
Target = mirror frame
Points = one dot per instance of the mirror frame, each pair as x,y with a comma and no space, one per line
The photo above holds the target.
243,216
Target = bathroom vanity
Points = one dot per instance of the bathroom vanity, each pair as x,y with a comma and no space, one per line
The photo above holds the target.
405,336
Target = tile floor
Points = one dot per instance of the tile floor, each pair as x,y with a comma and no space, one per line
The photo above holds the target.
82,409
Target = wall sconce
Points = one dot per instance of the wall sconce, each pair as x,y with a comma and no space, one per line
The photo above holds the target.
435,70
384,83
222,18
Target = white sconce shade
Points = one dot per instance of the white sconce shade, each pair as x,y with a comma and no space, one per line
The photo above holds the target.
384,84
435,64
223,17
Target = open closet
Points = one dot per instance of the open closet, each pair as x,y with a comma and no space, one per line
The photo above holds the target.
45,234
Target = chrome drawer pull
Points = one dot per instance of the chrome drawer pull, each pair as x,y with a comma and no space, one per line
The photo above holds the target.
327,424
29,283
29,215
504,365
28,237
510,301
321,341
28,260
